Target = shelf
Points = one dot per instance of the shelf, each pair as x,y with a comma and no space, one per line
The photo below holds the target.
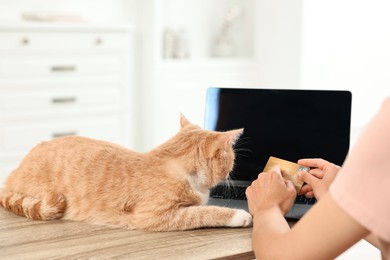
206,63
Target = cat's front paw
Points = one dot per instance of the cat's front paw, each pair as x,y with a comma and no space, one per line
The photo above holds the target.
241,219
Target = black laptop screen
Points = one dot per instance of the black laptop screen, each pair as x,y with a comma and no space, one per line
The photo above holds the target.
289,124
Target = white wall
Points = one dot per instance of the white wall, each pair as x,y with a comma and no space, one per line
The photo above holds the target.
346,46
299,43
181,86
278,42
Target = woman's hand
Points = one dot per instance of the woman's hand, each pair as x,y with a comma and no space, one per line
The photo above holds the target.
270,190
319,178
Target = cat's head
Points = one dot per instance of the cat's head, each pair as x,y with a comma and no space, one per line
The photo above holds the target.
211,152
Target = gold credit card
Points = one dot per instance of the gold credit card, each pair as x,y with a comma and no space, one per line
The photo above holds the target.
289,170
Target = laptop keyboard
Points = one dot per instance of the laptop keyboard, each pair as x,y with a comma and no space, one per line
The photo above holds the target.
301,199
238,193
232,192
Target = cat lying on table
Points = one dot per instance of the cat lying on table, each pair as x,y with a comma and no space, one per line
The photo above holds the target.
166,189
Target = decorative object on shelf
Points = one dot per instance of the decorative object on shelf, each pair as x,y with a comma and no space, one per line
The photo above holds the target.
169,43
175,44
223,44
182,47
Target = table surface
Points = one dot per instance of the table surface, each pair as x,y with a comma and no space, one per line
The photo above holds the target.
21,238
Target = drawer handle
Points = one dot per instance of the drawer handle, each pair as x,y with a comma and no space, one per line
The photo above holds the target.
60,134
25,41
63,68
99,41
62,100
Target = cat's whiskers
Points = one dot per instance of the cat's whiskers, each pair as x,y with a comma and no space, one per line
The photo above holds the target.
229,182
242,141
239,152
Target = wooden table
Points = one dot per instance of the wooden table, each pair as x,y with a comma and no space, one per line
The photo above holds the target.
21,238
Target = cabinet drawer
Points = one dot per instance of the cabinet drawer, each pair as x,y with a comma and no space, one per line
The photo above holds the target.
22,137
61,66
27,40
60,100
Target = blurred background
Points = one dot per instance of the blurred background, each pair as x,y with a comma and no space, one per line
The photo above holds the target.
182,47
152,59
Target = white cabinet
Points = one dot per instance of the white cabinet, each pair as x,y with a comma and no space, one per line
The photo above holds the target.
64,80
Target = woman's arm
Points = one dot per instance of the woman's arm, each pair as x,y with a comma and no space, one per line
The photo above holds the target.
373,240
323,233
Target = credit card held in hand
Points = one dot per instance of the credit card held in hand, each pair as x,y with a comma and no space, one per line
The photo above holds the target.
289,170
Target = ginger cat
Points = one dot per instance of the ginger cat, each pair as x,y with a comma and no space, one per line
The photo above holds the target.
165,189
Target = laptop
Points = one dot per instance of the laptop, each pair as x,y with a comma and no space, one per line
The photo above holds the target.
284,123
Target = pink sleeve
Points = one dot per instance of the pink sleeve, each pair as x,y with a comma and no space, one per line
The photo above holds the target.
362,187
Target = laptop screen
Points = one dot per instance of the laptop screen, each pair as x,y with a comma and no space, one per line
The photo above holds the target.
289,124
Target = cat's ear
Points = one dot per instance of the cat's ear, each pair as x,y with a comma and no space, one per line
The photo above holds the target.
183,121
231,137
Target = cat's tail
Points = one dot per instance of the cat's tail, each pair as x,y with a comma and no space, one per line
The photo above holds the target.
48,207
